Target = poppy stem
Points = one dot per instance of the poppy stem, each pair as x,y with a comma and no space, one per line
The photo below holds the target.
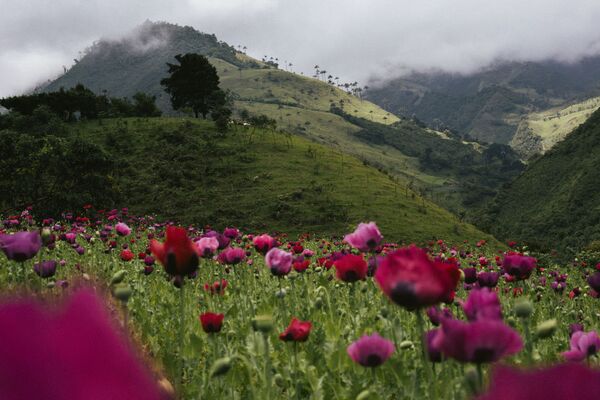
267,364
422,340
181,333
480,378
296,374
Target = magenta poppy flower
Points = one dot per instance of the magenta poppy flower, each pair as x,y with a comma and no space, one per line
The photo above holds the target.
583,345
45,269
482,304
365,238
412,280
74,354
435,314
222,239
594,281
520,267
122,229
560,382
21,246
231,256
231,233
279,261
432,346
482,341
264,243
371,351
207,246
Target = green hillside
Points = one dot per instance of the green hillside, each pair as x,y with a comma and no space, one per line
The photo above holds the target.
556,201
303,106
489,104
540,131
184,169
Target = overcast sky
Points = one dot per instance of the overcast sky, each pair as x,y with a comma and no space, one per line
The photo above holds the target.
356,40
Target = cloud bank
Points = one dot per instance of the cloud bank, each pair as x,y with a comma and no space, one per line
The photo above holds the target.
355,40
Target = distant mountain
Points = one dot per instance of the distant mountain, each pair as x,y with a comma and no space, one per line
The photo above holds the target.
489,105
556,201
439,165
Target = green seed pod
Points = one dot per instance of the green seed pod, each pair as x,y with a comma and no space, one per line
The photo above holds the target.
279,381
46,236
318,269
406,344
384,312
122,292
220,367
511,321
364,395
472,379
319,302
462,275
546,329
280,293
523,309
50,285
118,277
364,288
262,323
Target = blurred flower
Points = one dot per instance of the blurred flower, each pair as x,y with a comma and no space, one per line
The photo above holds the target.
45,269
575,328
470,275
350,268
520,267
207,246
488,279
279,261
365,238
410,279
300,264
21,246
434,353
127,255
122,229
231,256
594,281
297,331
371,351
482,304
177,254
221,239
583,345
231,233
74,354
560,382
481,341
435,314
217,287
264,243
211,322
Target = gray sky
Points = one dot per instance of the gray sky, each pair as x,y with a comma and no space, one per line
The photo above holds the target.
355,40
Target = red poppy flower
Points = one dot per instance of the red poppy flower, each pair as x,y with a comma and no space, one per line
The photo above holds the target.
297,331
412,280
211,322
127,255
177,254
301,265
350,268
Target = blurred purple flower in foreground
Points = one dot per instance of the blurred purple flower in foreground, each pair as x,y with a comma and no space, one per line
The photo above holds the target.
73,354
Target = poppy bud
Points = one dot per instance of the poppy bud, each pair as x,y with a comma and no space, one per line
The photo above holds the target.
406,344
364,395
472,379
281,293
46,236
279,381
118,277
122,292
220,367
262,323
546,329
523,309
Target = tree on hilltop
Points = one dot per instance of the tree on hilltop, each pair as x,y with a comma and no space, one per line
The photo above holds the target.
193,83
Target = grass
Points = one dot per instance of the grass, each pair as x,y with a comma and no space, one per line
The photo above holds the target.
183,169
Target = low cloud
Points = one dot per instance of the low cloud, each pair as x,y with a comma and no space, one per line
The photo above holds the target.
355,40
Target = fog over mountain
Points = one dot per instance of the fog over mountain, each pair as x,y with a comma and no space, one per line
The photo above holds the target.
355,40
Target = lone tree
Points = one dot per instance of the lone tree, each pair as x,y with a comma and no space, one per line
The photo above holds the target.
193,83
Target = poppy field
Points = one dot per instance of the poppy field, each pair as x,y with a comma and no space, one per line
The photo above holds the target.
105,304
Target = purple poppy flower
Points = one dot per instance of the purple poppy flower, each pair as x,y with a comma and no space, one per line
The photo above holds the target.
76,354
520,267
488,279
371,351
279,261
594,281
470,275
482,341
45,269
434,352
566,381
366,237
583,345
21,246
558,287
223,240
575,328
436,314
482,304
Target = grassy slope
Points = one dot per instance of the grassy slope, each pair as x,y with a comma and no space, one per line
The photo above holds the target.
262,180
542,130
555,202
